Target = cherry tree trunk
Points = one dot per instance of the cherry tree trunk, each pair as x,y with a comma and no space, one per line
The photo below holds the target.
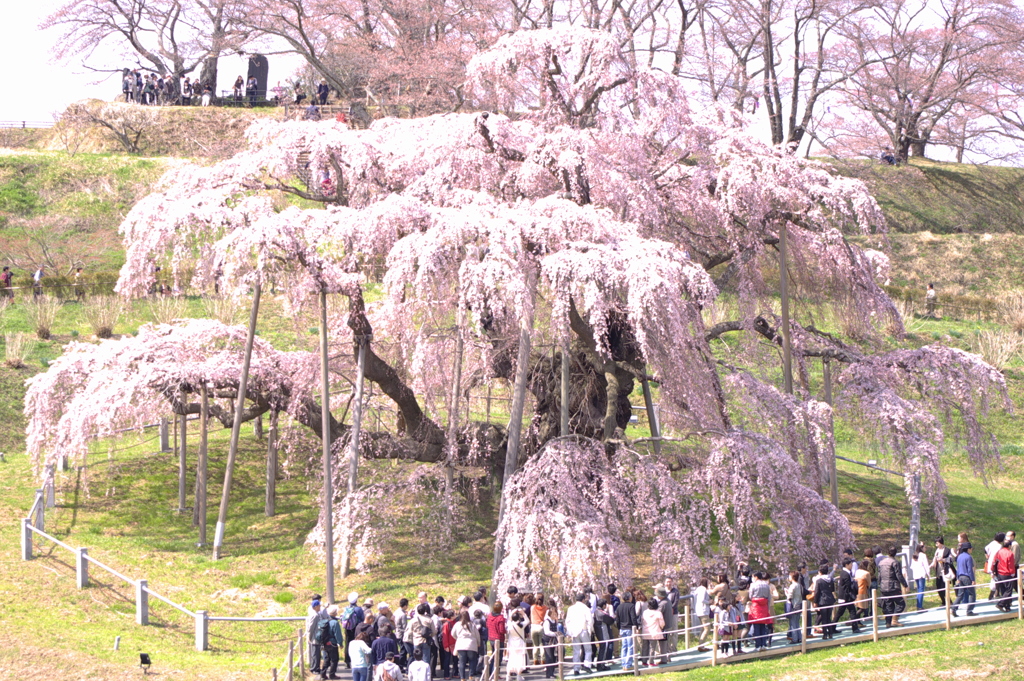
199,514
271,500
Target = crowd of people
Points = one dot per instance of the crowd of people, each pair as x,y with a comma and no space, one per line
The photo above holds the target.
470,636
153,89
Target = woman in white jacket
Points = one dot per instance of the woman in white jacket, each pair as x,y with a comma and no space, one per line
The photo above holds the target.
467,645
920,568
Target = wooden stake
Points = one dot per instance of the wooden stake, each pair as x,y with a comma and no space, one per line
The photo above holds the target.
804,621
1020,594
874,615
652,416
236,427
325,428
686,626
949,605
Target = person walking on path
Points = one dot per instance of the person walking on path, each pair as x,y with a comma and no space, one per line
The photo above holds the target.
944,564
517,645
702,611
824,600
579,627
965,589
329,635
668,613
1004,573
920,568
891,583
496,630
930,300
846,593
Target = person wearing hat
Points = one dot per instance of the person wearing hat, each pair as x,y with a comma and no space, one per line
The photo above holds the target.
965,592
351,618
329,668
314,615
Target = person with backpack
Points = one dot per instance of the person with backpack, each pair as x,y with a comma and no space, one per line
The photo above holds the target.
361,655
350,619
328,635
314,616
944,564
423,631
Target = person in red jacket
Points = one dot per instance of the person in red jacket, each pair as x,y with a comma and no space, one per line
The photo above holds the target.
1004,574
495,636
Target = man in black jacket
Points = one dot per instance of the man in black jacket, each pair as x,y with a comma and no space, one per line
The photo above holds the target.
625,616
846,591
891,584
824,600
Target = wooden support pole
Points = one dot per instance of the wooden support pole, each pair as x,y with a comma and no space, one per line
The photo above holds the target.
805,616
302,654
1020,594
826,370
636,651
40,523
291,660
236,426
874,615
353,458
202,467
182,459
165,445
453,410
51,485
202,630
26,539
270,503
257,427
325,420
787,350
652,416
515,421
563,420
558,658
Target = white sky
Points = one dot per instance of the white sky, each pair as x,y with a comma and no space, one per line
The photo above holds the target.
33,86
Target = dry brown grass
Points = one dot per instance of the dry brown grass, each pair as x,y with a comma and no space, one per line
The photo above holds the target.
16,348
42,313
165,309
102,313
997,347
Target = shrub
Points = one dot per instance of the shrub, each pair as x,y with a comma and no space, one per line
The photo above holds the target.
284,597
1011,311
223,308
166,309
997,347
42,313
16,348
102,313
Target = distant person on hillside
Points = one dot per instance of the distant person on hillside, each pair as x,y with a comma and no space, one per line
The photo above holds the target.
888,157
322,91
237,88
250,90
312,112
207,94
126,85
186,92
37,282
299,95
278,91
930,299
6,282
79,286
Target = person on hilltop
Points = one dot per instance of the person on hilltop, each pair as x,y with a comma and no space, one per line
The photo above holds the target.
186,92
250,90
237,89
322,90
930,300
7,283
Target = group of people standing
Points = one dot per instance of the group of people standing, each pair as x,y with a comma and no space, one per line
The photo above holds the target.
154,89
464,638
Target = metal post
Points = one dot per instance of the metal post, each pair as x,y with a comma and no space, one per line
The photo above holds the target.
302,654
26,539
714,641
291,660
165,440
202,474
805,616
915,514
325,439
141,603
202,631
949,604
40,523
270,503
686,627
874,615
787,351
236,427
82,567
652,417
564,414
